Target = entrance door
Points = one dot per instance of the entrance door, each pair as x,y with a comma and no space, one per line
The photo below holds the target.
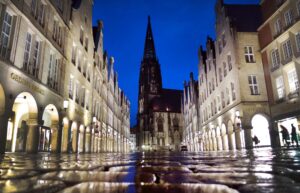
45,139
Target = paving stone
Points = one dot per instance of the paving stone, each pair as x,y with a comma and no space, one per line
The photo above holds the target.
32,185
259,170
74,177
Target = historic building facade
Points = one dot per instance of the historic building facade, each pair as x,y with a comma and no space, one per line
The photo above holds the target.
190,110
233,96
159,111
54,80
279,37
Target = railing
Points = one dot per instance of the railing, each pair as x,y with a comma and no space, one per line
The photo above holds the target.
294,94
281,100
275,67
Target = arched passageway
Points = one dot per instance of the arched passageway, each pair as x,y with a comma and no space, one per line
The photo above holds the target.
48,132
224,137
260,129
22,130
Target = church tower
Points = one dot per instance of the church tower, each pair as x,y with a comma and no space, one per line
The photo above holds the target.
159,109
150,81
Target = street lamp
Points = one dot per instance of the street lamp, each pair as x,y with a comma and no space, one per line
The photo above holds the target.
66,104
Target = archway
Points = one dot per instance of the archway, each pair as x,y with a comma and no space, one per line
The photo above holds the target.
219,139
48,138
231,135
260,129
224,137
22,126
81,139
65,134
74,137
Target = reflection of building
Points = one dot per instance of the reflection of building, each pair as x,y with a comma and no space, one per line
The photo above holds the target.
232,93
279,37
53,83
190,110
159,113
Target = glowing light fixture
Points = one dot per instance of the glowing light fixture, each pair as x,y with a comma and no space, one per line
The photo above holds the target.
66,104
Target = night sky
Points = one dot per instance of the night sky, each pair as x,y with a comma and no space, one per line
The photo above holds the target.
179,28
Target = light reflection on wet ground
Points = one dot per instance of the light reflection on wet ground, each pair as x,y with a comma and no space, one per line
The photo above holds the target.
260,170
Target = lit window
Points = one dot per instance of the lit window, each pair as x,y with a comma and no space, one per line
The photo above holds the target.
275,58
280,87
27,51
225,69
81,35
287,49
73,54
298,7
229,62
33,6
36,56
5,34
249,55
233,96
298,41
293,81
224,39
71,87
288,16
277,26
223,99
253,84
41,14
227,96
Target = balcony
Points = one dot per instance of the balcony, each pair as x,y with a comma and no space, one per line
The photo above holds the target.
287,60
274,67
286,27
293,95
281,100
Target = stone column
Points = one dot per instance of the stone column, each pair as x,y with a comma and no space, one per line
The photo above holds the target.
248,137
237,131
274,135
84,139
3,130
54,137
32,141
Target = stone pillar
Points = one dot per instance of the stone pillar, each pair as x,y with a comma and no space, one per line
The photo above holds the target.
274,135
3,130
32,141
84,139
237,131
54,137
69,139
248,136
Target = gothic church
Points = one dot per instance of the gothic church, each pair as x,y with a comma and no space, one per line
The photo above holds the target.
159,116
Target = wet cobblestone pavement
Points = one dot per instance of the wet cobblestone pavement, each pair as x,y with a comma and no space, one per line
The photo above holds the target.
260,170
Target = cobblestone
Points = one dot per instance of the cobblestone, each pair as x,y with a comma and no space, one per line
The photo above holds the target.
260,170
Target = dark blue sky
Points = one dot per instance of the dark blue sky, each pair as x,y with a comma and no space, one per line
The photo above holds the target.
179,28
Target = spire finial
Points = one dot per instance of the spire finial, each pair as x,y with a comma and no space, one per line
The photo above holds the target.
149,51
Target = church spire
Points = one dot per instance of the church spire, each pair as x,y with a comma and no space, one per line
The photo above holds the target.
149,50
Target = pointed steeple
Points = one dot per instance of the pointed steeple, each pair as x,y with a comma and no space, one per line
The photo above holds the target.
149,50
